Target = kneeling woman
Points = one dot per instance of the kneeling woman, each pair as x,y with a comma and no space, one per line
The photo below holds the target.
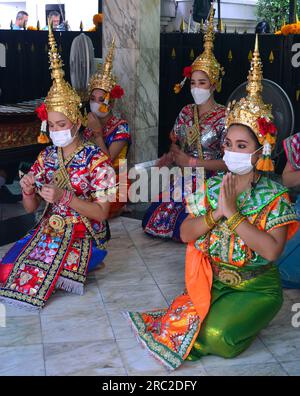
109,132
72,178
236,229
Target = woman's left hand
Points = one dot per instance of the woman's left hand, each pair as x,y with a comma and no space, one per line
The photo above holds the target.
51,193
180,158
229,195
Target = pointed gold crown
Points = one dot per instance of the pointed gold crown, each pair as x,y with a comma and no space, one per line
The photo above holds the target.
104,78
206,61
61,96
251,108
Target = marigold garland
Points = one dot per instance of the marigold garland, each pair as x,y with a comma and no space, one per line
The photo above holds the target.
292,28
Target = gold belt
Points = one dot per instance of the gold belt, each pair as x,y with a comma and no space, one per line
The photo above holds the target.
233,277
58,223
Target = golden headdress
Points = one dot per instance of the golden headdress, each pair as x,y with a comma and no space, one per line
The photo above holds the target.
251,111
105,80
206,61
61,96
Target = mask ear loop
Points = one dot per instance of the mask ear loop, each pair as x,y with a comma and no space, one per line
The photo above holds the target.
255,180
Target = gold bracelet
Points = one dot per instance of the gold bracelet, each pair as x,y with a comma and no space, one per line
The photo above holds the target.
242,218
209,220
235,220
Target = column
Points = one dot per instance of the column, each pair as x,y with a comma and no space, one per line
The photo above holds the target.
135,24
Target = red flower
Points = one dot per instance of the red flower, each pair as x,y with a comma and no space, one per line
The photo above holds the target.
117,92
266,127
187,71
41,112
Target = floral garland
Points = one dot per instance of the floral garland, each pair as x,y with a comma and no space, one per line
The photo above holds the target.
116,93
268,131
187,73
41,112
292,28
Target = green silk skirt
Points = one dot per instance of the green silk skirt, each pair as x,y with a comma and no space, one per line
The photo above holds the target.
237,315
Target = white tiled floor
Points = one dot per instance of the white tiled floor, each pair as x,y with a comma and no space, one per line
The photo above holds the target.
87,335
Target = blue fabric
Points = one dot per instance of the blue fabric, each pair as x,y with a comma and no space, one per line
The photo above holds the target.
289,262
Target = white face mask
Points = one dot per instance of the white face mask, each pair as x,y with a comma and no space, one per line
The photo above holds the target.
200,95
94,106
62,138
239,163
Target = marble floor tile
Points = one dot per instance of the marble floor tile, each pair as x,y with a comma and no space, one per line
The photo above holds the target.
131,224
70,304
257,353
21,330
292,368
133,273
83,358
293,294
137,360
120,324
168,251
120,257
22,360
140,298
11,311
172,291
284,316
282,342
268,369
168,273
86,326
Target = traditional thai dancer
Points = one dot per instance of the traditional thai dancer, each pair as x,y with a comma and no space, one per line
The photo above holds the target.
75,179
237,227
109,132
197,139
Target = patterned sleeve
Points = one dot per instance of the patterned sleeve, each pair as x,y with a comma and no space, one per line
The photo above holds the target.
292,150
281,212
221,132
179,129
102,177
122,133
38,168
197,202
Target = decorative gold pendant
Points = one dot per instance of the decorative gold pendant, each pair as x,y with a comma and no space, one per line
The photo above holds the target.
57,223
192,135
229,277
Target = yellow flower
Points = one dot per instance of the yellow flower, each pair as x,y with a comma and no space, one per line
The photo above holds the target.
43,138
103,108
97,19
177,88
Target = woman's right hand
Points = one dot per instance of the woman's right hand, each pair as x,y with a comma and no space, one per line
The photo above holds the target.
28,183
94,124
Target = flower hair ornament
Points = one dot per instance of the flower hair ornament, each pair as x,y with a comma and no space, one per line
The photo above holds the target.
41,112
